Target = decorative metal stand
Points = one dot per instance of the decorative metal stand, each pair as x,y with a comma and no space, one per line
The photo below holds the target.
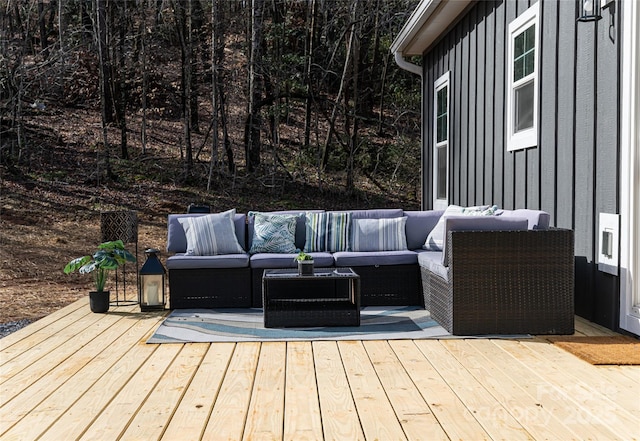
121,225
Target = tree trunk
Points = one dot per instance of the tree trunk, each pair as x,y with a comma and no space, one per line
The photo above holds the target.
311,35
43,30
105,101
254,122
343,84
184,32
122,105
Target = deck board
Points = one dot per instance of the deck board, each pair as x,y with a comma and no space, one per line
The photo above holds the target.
79,375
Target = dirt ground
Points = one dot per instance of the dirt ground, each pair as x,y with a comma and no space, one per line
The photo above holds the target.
38,237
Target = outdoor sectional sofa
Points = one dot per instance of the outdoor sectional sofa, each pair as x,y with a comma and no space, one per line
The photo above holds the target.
454,277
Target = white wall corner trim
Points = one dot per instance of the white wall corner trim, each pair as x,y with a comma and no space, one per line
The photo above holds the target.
630,170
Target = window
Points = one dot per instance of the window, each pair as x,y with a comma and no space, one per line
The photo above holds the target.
441,142
522,95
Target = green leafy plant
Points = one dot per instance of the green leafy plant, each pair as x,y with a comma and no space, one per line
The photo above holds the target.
302,256
109,256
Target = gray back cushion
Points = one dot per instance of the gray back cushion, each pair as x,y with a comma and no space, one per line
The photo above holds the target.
536,219
419,225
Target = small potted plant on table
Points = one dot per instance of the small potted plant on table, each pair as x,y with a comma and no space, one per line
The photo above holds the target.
109,256
305,264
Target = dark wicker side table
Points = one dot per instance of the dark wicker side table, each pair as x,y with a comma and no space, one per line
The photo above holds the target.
329,297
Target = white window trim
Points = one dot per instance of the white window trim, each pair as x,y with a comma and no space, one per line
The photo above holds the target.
525,138
443,81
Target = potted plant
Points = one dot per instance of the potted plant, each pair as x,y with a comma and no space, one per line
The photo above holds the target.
305,264
109,256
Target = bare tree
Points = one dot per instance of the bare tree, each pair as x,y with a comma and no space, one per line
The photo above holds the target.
254,121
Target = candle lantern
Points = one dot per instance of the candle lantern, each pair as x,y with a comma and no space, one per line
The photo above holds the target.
152,283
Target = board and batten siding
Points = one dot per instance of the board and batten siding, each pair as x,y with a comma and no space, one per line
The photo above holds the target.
573,172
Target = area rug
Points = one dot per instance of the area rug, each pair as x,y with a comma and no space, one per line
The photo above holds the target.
618,350
237,325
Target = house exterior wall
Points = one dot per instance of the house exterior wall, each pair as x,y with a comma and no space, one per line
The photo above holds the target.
573,171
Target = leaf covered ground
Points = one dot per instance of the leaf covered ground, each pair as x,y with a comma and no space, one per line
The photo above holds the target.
51,199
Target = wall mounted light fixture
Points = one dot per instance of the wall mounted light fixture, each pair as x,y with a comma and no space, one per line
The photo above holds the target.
589,10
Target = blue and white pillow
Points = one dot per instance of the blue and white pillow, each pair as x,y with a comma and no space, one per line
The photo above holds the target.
435,239
211,234
273,233
379,234
327,232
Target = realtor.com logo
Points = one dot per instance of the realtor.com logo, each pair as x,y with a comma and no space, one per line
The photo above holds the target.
565,405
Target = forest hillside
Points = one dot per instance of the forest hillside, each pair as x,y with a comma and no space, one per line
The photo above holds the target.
153,105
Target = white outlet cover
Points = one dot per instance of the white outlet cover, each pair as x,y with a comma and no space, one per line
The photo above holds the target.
609,223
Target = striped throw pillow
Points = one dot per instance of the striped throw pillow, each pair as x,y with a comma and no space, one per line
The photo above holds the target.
379,234
211,234
327,232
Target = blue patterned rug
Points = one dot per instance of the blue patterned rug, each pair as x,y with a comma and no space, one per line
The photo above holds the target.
236,325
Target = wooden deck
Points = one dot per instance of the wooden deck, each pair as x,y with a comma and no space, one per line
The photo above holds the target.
78,375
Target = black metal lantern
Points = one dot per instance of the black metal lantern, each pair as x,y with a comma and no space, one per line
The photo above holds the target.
152,282
589,10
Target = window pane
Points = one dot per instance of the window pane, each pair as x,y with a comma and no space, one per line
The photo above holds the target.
442,115
518,46
523,96
518,69
529,62
524,53
441,190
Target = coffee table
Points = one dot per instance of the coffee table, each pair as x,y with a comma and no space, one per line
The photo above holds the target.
329,297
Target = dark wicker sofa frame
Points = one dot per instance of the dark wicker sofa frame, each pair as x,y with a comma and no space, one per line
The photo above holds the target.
505,282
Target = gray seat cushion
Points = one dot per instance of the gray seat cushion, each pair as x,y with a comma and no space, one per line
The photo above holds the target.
372,258
273,260
181,261
432,260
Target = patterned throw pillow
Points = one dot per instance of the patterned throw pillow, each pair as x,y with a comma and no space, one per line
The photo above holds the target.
435,239
211,234
327,232
379,234
273,233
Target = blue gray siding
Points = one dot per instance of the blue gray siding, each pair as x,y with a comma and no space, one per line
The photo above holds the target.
573,172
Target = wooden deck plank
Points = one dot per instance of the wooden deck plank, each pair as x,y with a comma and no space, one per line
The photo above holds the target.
56,346
116,416
416,418
66,357
194,409
565,400
452,414
229,413
339,416
156,411
266,410
536,419
106,383
590,389
377,416
27,337
493,417
606,379
301,406
51,393
585,327
73,421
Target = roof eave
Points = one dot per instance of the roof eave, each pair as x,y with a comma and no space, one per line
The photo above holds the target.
427,23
